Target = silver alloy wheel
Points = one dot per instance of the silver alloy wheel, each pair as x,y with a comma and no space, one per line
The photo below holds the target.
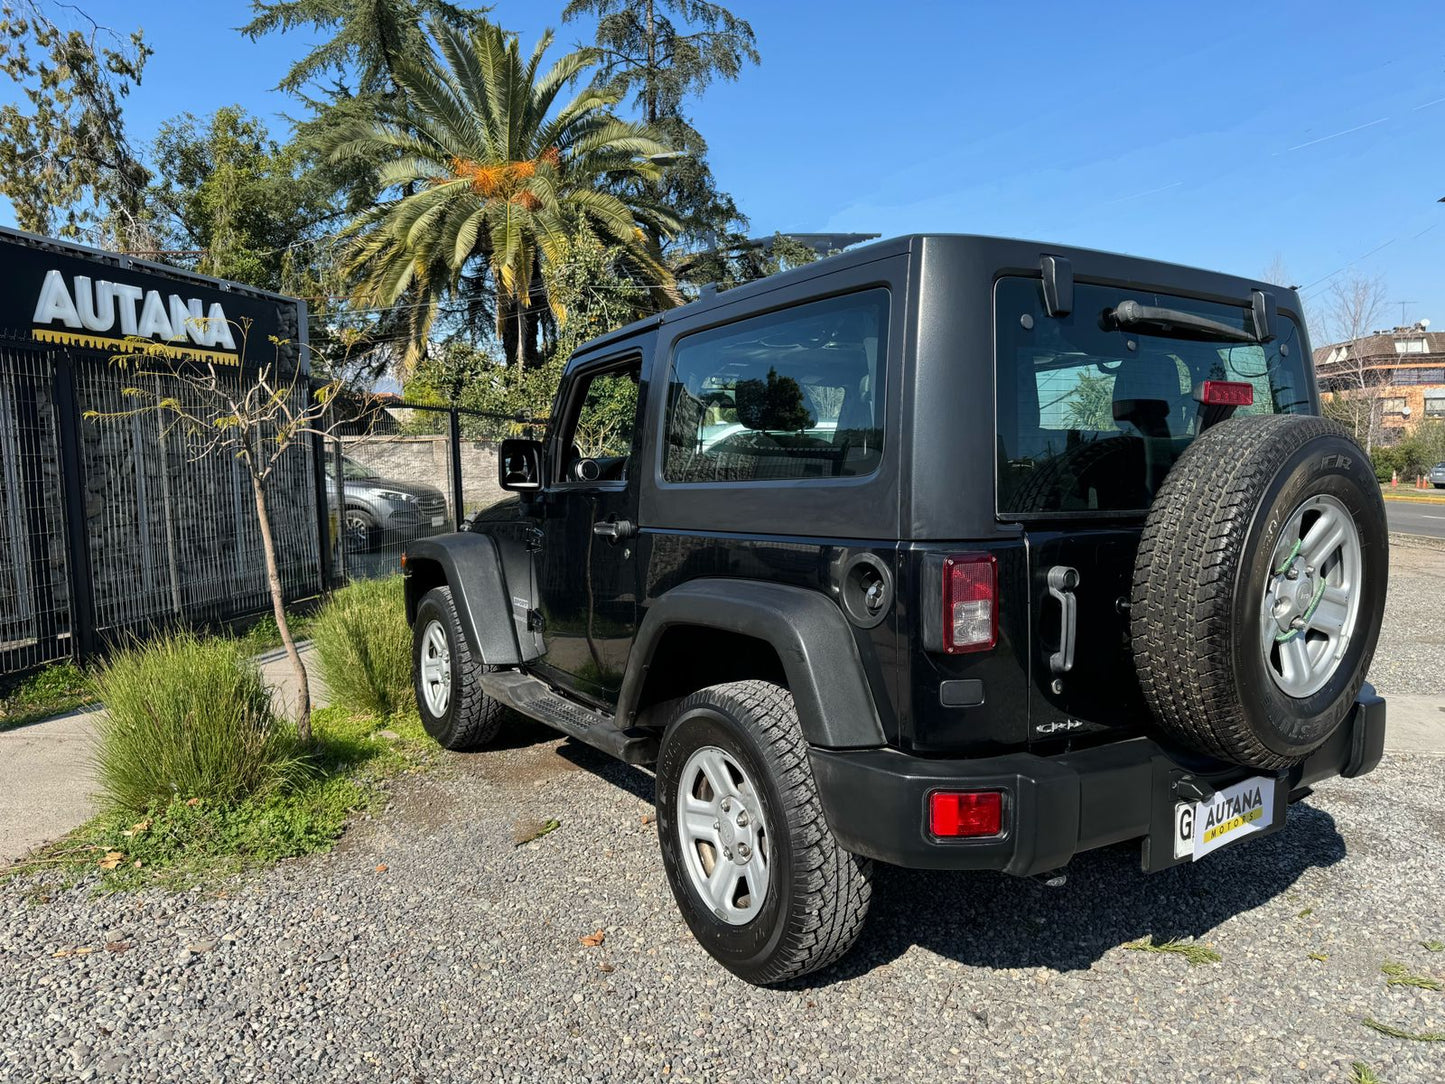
436,668
358,531
724,836
1312,598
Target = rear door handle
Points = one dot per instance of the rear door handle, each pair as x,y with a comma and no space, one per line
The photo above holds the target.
1062,581
614,530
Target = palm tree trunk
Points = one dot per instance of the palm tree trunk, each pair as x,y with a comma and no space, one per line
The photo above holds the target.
521,342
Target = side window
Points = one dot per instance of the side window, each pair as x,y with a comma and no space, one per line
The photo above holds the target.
598,444
793,394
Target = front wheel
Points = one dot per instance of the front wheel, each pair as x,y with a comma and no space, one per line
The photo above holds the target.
757,873
454,710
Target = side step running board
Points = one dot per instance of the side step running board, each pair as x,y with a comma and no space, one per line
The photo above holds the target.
536,700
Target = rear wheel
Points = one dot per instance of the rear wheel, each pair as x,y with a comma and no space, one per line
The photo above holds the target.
755,870
454,710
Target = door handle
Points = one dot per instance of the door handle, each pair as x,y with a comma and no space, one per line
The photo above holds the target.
615,530
1062,581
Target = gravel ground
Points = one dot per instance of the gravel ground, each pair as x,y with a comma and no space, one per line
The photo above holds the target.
461,959
1411,656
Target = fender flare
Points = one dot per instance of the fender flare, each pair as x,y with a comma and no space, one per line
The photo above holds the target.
471,566
806,628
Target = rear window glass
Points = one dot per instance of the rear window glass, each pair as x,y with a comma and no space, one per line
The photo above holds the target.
789,395
1091,417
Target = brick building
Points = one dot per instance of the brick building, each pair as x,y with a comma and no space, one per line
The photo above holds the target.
1402,369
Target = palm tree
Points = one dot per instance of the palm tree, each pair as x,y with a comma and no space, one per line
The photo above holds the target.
489,173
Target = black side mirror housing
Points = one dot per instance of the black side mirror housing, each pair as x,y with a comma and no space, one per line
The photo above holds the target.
519,465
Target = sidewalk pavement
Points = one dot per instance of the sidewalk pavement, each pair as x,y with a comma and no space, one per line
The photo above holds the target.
46,777
46,774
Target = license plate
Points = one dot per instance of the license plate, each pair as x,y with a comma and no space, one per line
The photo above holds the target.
1232,814
437,521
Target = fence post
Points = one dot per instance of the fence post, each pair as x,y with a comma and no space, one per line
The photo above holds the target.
72,481
323,510
455,427
338,468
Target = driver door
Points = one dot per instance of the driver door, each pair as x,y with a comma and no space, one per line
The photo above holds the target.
588,581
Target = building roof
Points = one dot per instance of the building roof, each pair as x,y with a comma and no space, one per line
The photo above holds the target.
1380,347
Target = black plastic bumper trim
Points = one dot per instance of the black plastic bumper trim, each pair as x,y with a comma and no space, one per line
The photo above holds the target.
875,799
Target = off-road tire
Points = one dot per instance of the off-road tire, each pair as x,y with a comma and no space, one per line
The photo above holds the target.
472,718
1200,576
816,907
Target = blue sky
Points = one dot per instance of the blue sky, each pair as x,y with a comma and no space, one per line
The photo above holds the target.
1223,135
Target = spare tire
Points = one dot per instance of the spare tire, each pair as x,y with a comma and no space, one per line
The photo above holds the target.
1259,588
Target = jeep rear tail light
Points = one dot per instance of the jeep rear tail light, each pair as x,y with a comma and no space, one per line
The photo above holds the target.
1226,393
963,814
970,602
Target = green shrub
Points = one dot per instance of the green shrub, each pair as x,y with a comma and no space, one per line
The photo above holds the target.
1387,460
186,718
363,644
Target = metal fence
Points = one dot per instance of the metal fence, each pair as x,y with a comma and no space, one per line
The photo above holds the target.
398,470
111,526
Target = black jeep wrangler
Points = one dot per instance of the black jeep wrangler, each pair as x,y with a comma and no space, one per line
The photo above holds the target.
950,552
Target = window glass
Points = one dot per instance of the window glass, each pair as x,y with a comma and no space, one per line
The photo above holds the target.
599,435
794,394
1091,417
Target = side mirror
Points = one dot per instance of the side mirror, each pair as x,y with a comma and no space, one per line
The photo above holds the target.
519,466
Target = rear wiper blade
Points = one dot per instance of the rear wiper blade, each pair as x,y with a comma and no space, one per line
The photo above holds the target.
1184,325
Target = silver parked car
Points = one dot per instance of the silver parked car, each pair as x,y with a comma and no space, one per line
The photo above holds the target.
383,511
1437,476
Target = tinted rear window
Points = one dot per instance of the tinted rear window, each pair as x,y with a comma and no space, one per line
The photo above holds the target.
795,394
1091,418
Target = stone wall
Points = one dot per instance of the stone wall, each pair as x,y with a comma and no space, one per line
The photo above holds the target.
427,460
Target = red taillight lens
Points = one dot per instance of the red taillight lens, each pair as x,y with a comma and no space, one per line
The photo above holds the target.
955,814
970,602
1226,393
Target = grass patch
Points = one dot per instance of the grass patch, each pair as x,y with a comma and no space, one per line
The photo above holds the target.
1400,1033
1400,975
1319,957
183,842
363,646
188,717
1433,946
1360,1073
54,690
1192,951
263,635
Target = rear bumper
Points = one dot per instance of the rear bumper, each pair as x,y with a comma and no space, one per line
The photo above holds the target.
875,800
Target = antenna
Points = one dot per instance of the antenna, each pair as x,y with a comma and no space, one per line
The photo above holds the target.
1402,305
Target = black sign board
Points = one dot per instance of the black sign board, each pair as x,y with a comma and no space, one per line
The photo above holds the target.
99,303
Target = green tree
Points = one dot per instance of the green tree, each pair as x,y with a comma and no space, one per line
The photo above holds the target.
490,177
247,204
66,163
367,38
1091,403
660,53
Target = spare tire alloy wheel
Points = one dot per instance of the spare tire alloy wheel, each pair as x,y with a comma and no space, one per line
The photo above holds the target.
1312,599
1259,588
